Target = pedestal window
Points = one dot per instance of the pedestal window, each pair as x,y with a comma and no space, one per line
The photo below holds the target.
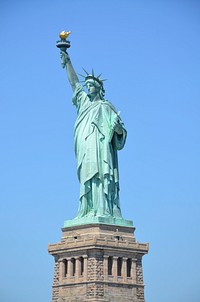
119,266
73,266
65,266
81,265
129,262
110,265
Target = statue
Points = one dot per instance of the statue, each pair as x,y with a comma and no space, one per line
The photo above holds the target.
99,133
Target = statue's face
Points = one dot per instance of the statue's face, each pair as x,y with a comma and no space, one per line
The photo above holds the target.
91,89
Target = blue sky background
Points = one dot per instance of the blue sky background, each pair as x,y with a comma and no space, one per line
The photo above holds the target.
150,53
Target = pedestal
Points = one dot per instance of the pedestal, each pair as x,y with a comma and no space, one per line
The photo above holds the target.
98,262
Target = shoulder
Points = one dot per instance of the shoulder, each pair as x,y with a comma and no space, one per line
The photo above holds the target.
80,98
78,89
79,93
110,105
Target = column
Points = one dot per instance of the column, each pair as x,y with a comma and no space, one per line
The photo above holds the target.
124,269
133,270
115,267
85,259
78,268
70,267
61,269
105,260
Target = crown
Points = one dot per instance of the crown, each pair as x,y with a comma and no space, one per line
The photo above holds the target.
92,77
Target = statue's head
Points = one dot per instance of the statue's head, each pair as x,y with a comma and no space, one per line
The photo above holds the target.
94,85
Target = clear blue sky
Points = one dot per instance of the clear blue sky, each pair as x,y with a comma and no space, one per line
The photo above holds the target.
150,53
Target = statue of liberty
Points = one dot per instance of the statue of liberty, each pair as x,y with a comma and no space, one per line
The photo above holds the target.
98,134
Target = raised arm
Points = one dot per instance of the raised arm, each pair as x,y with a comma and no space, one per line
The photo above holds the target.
66,63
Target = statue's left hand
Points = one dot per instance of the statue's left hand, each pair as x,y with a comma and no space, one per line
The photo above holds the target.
118,129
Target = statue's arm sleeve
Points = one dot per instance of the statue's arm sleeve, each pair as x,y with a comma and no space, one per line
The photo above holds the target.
80,98
119,140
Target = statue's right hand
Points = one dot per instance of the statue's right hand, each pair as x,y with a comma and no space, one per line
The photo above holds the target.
64,58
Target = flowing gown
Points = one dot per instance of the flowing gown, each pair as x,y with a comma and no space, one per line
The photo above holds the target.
96,145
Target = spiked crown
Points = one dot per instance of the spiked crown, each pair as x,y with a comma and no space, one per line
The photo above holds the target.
93,78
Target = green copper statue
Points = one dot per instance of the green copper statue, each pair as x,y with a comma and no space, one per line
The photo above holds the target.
99,132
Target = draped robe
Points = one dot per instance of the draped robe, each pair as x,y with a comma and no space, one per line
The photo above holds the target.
96,145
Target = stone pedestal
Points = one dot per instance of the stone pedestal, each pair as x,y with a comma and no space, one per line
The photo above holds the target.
98,262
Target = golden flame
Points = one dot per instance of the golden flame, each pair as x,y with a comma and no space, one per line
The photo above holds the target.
64,34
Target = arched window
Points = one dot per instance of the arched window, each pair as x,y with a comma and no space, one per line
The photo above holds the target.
129,262
65,265
119,266
81,265
110,265
73,266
